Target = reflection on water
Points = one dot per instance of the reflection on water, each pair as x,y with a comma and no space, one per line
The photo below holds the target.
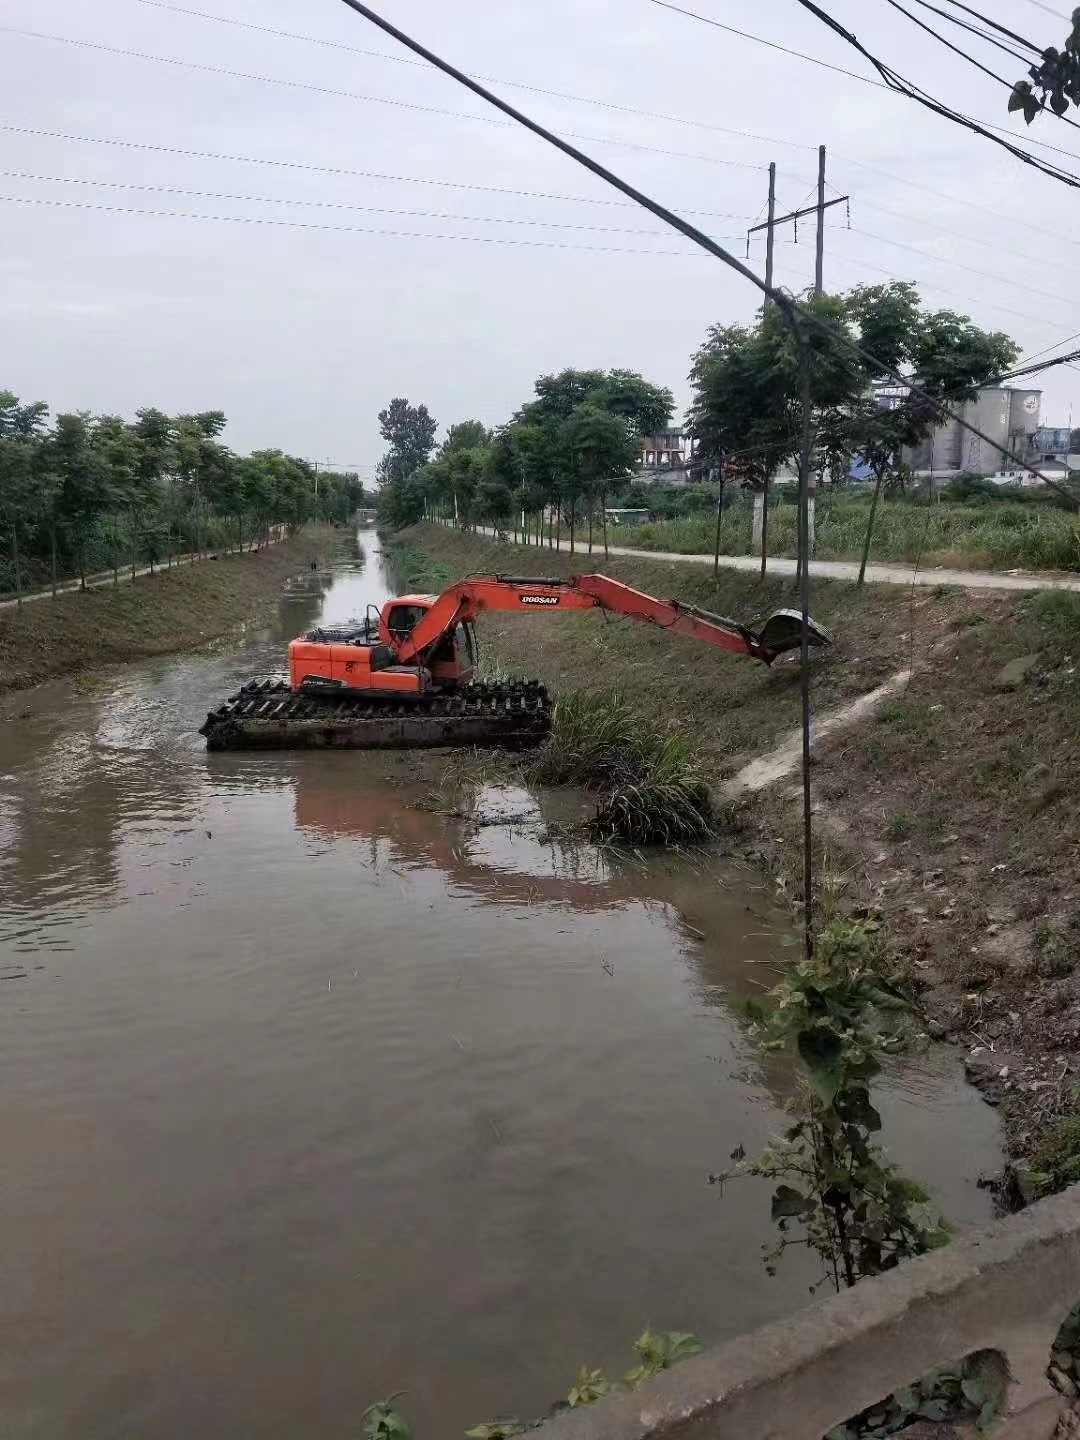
308,1094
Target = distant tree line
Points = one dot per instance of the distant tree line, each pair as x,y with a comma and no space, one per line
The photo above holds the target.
81,493
557,458
578,441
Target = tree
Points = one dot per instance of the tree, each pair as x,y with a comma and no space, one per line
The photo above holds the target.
16,499
87,487
409,431
601,448
626,393
741,409
466,435
747,400
1055,81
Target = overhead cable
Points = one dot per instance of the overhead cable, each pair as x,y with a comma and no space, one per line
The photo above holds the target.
322,204
337,170
396,104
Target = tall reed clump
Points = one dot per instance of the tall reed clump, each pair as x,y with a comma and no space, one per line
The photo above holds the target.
649,788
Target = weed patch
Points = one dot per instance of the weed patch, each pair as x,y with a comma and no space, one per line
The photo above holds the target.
650,786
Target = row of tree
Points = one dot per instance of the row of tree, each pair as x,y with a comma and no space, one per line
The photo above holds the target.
560,452
580,437
86,492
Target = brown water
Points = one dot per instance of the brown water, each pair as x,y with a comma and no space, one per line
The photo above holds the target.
307,1096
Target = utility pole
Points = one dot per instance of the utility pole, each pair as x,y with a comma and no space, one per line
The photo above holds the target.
794,216
819,267
770,230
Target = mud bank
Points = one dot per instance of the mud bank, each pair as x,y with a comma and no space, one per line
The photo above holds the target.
175,609
950,810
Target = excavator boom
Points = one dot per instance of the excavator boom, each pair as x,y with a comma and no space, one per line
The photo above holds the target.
408,681
469,598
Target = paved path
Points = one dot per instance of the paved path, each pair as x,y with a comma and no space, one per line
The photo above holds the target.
848,570
106,577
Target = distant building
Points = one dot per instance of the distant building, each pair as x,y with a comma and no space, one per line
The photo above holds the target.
1053,442
1010,420
666,458
622,516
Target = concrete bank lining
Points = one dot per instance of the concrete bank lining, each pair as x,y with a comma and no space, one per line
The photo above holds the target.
1007,1288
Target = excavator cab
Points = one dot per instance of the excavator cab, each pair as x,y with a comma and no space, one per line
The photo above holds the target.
362,658
452,660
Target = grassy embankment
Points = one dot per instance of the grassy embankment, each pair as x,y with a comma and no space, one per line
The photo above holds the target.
173,610
953,814
1003,535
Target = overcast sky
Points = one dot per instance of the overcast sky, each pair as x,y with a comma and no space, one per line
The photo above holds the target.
302,334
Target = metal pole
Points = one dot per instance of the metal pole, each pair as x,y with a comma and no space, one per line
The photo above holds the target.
819,269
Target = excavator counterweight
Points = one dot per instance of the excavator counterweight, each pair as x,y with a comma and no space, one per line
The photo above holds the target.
409,679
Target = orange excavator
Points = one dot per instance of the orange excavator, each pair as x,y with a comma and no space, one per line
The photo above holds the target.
408,676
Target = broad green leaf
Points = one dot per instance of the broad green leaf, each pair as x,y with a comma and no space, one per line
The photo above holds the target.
788,1202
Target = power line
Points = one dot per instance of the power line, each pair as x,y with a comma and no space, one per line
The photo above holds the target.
490,79
861,265
1037,353
985,35
323,204
353,95
923,223
944,195
306,167
793,312
332,229
922,97
339,170
957,264
994,24
1049,11
585,99
841,70
956,50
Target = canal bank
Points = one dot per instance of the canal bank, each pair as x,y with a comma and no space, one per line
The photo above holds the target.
320,1093
177,608
949,812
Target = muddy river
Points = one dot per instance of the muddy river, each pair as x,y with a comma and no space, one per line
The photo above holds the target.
308,1095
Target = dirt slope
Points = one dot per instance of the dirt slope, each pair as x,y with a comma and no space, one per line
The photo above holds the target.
172,610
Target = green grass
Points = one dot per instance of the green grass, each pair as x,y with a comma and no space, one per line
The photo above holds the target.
1001,534
1054,1161
898,828
649,787
1057,611
415,572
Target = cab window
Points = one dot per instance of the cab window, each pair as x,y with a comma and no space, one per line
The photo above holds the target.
403,618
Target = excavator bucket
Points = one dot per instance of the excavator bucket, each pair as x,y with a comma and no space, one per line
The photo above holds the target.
782,632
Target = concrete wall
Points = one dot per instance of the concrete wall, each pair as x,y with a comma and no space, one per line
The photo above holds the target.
1007,1289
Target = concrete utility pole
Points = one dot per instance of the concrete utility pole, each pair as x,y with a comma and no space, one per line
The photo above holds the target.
770,226
819,267
774,222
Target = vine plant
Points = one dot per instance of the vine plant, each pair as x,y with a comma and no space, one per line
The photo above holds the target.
836,1191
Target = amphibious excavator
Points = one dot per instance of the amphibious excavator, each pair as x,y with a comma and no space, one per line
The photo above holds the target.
407,676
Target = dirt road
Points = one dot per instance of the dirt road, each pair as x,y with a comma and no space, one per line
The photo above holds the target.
849,570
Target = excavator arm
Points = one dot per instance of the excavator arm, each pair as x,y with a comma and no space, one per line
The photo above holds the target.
781,632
